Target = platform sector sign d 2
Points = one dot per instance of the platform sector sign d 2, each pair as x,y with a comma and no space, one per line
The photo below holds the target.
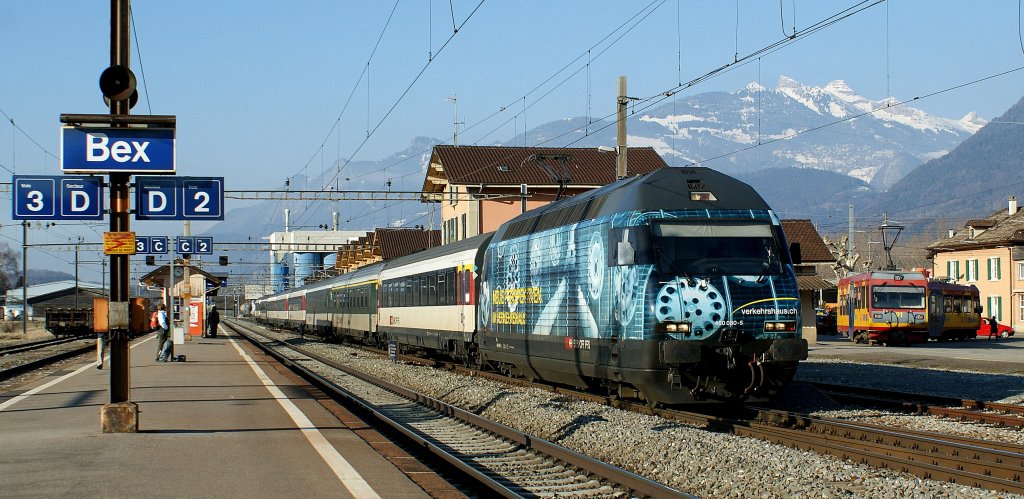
179,198
117,150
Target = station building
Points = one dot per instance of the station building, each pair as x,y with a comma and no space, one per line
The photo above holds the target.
481,187
988,253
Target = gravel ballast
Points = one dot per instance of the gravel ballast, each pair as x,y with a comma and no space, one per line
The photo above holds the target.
689,459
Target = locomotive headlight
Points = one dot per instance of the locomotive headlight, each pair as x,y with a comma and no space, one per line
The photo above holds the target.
674,327
779,326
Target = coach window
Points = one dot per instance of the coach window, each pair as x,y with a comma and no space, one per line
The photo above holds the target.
451,285
442,289
431,285
414,291
460,284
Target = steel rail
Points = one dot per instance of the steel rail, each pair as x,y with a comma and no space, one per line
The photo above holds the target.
991,465
19,369
950,407
34,345
959,460
632,481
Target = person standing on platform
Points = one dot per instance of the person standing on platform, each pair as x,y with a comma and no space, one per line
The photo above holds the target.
162,335
212,320
154,326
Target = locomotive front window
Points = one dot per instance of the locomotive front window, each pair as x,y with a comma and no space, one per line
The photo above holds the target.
897,297
733,249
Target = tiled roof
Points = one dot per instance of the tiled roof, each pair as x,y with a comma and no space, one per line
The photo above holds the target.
812,248
400,242
1002,229
494,165
812,282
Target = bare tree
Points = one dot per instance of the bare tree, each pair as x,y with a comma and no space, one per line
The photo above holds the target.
9,267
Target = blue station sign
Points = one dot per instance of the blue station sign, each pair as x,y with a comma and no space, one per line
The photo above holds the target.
179,198
150,245
117,150
43,197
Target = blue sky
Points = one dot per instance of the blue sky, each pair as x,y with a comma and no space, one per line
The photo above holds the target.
257,86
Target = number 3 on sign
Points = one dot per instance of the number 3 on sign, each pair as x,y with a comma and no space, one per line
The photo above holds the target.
35,201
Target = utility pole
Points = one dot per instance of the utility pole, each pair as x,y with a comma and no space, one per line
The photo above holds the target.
24,277
76,270
455,101
620,151
849,237
186,297
120,415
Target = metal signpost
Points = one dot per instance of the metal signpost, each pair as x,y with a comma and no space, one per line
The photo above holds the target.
119,145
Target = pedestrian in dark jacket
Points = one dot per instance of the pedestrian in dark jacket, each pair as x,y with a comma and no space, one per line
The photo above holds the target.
993,328
212,319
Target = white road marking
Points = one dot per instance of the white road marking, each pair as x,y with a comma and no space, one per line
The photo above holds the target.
23,396
349,477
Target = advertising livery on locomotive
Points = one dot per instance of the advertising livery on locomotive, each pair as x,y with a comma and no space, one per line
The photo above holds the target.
672,287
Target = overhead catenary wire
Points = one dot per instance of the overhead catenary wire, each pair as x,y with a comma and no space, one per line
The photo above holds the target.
27,136
648,102
401,97
138,52
630,23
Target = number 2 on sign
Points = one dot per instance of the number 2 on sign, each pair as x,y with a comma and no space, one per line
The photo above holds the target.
204,199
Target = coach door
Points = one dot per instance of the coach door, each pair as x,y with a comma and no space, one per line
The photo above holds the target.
851,311
936,315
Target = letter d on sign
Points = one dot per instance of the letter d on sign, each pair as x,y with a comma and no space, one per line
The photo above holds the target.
157,201
79,201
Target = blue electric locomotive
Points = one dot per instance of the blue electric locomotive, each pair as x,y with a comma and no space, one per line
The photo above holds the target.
673,287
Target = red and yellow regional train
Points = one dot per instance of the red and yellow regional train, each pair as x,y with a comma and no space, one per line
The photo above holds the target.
901,307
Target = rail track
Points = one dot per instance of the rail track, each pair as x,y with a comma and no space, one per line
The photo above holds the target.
978,463
503,460
1010,415
33,345
20,359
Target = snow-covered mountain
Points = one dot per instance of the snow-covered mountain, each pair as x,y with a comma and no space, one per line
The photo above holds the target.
827,128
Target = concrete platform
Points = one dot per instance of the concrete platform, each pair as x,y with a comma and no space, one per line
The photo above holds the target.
225,423
1002,356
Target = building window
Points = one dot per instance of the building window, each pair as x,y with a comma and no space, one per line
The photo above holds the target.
463,226
972,270
995,271
995,307
1020,271
1020,309
953,270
